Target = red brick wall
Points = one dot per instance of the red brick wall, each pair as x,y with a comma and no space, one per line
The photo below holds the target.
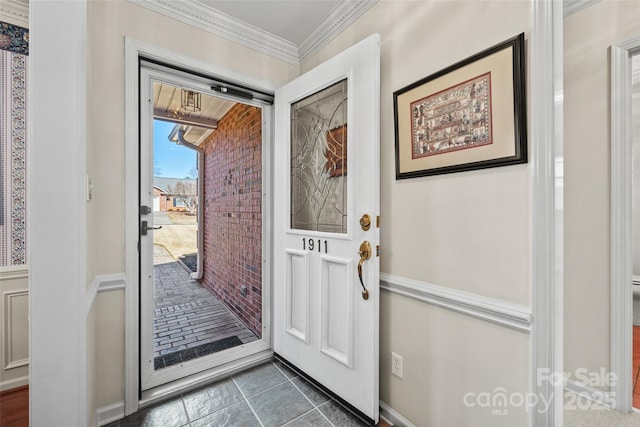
233,213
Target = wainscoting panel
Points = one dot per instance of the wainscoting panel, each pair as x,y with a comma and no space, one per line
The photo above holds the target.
14,327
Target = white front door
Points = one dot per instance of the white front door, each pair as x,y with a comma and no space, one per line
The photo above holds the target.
326,295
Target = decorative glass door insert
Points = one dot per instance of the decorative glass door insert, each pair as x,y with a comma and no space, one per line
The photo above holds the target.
319,161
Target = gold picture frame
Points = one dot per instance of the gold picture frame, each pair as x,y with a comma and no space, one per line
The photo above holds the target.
471,115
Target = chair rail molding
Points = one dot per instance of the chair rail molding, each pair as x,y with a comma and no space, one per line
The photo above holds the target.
14,272
500,312
104,283
621,206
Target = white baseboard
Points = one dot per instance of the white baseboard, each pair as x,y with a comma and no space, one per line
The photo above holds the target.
392,417
110,413
598,397
17,382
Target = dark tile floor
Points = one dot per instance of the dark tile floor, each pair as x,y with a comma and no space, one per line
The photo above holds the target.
269,395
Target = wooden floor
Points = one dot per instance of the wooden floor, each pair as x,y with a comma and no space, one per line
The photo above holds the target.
636,367
14,407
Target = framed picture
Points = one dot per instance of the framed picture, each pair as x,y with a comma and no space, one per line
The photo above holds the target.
471,115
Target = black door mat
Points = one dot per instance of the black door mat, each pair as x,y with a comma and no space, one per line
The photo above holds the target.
189,262
195,352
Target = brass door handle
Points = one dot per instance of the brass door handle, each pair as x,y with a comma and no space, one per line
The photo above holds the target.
365,254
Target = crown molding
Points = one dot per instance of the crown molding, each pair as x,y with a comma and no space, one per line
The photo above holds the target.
339,19
218,23
14,12
572,6
215,22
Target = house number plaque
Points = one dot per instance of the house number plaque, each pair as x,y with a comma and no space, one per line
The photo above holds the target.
314,245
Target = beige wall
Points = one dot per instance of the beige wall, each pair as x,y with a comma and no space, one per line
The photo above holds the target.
431,225
109,352
108,23
588,36
636,165
445,356
468,231
92,367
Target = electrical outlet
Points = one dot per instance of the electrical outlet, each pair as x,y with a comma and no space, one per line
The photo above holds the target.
396,365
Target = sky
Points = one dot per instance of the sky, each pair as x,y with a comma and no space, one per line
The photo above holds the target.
169,159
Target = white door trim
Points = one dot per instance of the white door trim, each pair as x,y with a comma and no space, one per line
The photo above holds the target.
621,205
59,391
135,49
547,209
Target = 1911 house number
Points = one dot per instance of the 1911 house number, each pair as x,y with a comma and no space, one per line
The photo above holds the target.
314,245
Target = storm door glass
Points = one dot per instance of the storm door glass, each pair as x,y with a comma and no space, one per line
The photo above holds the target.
319,161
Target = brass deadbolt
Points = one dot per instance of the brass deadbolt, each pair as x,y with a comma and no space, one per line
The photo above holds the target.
365,222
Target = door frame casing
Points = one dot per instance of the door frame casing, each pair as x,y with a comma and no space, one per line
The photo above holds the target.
621,222
547,212
134,50
151,380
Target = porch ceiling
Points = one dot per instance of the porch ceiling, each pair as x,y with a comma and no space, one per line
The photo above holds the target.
196,125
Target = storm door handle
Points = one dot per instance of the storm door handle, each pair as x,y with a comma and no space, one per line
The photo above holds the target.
144,228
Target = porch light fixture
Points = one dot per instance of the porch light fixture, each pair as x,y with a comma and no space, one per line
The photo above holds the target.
191,101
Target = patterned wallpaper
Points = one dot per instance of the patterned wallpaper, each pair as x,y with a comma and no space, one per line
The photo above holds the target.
14,48
14,39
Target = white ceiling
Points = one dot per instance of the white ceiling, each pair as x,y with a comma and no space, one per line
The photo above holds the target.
289,30
293,21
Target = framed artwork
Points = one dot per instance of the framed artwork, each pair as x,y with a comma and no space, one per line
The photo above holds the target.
471,115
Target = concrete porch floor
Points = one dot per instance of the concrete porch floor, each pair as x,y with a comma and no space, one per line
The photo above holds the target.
189,320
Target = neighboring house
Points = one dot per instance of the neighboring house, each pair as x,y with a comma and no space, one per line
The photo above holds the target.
174,194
